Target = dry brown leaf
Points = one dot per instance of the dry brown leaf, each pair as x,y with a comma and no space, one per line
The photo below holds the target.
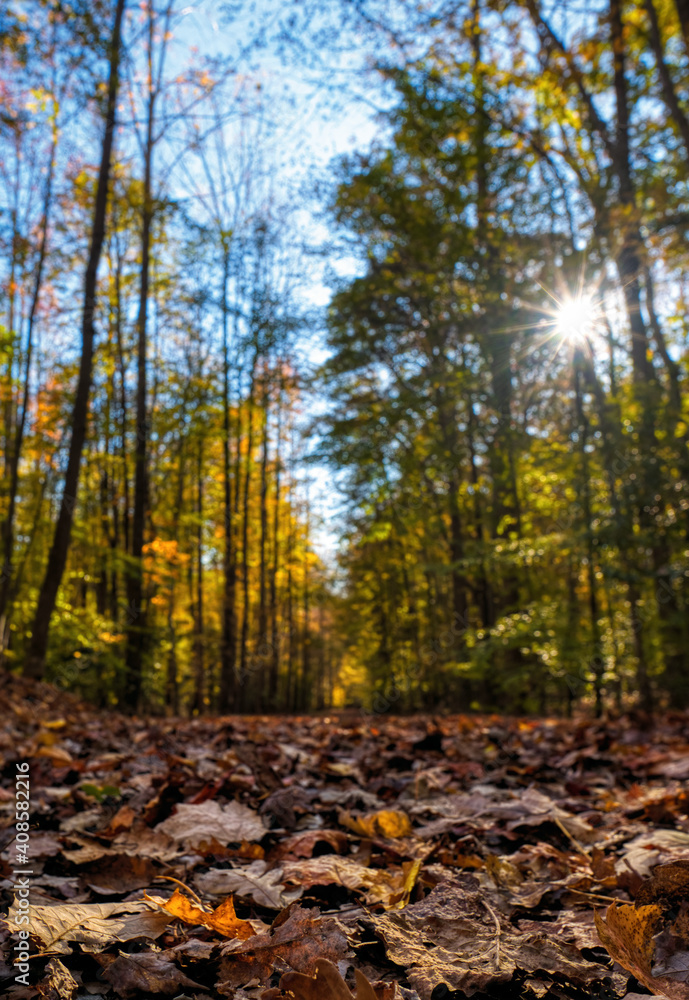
253,882
382,885
57,982
191,824
92,925
458,936
627,933
120,873
297,944
327,984
151,973
668,882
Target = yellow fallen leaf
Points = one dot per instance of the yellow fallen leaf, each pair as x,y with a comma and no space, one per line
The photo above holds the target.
56,754
628,933
384,823
411,871
224,920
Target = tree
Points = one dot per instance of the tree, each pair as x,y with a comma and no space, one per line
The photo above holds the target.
57,557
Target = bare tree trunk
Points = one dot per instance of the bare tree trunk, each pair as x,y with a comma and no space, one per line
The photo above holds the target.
669,93
262,646
583,428
274,672
57,557
682,8
135,589
244,637
14,454
228,649
305,699
199,661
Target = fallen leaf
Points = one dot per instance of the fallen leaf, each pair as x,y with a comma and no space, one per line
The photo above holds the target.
120,873
149,972
253,882
384,823
627,932
57,982
297,943
191,824
327,984
669,882
223,920
381,885
92,925
457,937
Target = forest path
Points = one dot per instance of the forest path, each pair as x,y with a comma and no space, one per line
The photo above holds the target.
449,857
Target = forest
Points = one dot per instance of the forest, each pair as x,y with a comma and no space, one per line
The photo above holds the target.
493,387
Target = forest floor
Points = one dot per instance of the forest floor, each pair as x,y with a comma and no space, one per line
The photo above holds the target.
427,857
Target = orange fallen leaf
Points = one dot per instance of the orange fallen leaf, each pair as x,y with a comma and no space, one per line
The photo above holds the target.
224,920
384,823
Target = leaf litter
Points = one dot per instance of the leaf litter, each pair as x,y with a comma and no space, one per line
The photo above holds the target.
347,857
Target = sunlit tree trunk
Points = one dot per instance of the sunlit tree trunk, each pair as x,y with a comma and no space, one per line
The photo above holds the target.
13,451
57,557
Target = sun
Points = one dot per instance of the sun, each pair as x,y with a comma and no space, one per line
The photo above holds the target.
576,317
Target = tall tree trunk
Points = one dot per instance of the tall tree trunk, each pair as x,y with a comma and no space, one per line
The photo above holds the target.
228,649
57,557
630,254
136,626
199,660
274,672
682,8
305,699
263,648
667,85
14,454
583,428
244,637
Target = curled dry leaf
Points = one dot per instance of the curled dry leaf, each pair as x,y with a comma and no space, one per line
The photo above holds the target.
223,920
384,823
327,984
382,885
627,932
58,982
